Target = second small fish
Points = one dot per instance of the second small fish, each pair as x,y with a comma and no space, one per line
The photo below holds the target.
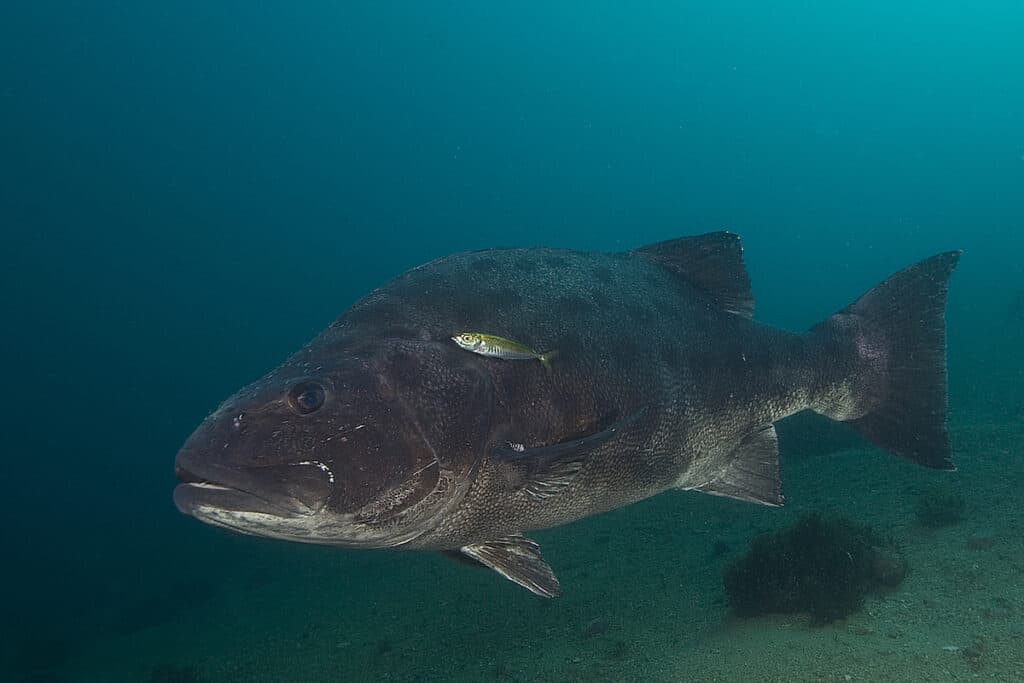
499,347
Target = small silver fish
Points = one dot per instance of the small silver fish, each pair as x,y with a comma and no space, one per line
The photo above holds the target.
499,347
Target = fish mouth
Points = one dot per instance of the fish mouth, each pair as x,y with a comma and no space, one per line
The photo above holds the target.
205,487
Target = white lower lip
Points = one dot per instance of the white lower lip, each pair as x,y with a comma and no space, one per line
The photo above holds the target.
215,511
208,485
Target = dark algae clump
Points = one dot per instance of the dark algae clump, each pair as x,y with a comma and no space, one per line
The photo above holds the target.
939,506
823,566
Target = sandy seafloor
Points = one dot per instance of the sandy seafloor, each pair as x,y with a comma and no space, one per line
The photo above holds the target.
643,598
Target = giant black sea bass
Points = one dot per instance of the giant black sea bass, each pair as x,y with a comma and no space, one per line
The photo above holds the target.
487,394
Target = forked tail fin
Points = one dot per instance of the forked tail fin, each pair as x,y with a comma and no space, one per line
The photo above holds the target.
896,391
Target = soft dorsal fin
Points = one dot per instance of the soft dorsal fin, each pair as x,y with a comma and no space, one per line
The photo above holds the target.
711,262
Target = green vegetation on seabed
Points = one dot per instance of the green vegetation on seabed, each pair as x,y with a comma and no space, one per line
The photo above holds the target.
821,565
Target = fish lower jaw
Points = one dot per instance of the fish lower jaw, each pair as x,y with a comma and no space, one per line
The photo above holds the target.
210,486
203,499
315,529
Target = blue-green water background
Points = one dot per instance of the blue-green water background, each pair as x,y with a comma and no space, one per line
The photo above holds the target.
191,190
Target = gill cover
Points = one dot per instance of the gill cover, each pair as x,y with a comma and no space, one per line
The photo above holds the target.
409,463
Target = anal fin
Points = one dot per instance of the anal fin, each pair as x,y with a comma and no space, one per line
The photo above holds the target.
518,559
753,471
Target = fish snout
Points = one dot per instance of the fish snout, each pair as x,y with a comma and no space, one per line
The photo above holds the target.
293,489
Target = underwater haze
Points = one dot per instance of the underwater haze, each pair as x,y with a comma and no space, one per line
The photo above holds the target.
190,191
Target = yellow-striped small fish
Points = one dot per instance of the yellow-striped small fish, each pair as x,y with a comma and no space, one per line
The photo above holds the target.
499,347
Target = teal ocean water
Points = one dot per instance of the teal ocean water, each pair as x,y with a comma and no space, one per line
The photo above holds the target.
191,191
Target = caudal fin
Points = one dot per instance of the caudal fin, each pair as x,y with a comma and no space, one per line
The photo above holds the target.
898,335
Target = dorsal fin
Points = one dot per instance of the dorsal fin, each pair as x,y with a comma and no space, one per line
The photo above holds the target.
711,262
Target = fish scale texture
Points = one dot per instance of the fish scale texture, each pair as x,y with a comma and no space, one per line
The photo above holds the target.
632,336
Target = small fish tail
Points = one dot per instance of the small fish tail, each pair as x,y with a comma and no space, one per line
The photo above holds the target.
545,358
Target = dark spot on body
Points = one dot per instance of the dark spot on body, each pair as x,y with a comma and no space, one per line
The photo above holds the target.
573,305
666,307
639,314
404,369
601,300
487,264
568,346
381,313
515,380
474,311
425,286
626,352
505,298
670,355
525,265
760,357
555,261
603,274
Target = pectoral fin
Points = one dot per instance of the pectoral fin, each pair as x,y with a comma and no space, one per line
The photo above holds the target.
518,559
753,471
547,470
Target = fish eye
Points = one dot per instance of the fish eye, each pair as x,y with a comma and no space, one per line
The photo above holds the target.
306,397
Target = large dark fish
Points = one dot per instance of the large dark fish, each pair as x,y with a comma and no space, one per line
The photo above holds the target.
383,432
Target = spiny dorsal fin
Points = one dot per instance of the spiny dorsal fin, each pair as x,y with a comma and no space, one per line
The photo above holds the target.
518,559
753,472
711,262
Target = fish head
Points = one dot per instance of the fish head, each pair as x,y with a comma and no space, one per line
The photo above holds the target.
364,448
470,341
